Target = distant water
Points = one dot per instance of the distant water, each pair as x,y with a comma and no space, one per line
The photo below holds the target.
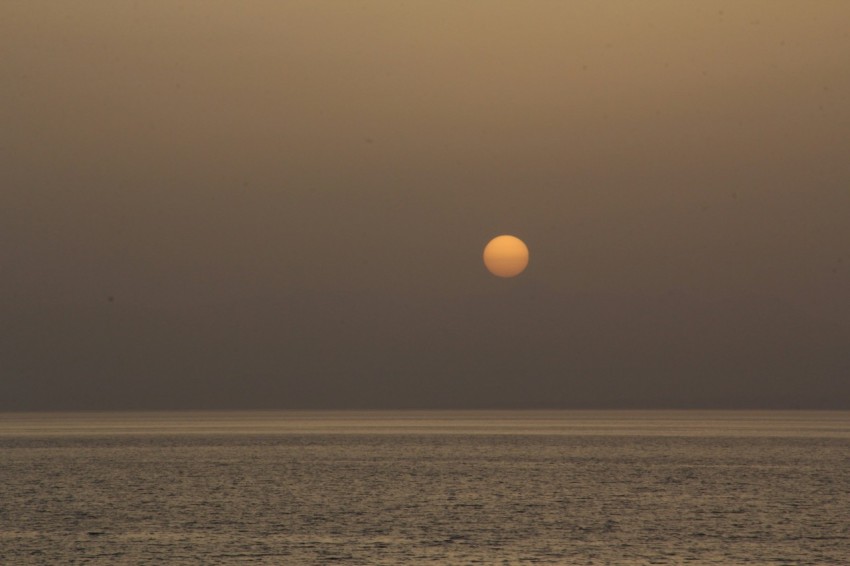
443,488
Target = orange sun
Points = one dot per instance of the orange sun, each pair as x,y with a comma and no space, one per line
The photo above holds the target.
506,256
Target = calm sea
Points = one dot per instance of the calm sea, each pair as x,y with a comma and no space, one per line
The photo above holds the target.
418,488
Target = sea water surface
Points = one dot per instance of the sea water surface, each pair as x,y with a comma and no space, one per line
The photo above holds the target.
416,488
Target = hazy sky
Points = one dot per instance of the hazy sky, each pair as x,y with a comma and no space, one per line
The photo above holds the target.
284,204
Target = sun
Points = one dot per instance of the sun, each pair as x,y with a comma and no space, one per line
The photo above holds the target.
506,256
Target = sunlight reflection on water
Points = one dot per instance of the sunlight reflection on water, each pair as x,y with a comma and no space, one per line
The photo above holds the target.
413,487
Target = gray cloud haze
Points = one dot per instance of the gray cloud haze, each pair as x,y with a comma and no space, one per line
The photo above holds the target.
284,204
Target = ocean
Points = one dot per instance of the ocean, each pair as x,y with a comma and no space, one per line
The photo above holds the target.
573,487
